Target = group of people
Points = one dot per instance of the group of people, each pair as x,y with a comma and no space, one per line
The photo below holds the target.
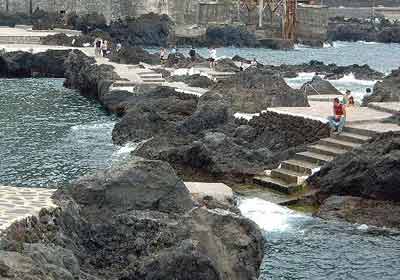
338,120
103,47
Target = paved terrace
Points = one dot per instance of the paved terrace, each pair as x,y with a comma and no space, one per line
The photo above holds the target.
19,203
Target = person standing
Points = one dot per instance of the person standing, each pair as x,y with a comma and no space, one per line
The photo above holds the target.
212,57
338,120
192,54
104,48
163,55
97,47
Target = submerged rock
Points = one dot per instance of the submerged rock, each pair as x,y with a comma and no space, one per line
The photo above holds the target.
361,211
135,221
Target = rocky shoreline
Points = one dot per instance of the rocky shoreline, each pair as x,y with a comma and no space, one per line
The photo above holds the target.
138,220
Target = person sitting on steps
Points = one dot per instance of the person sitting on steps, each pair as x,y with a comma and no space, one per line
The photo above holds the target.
338,120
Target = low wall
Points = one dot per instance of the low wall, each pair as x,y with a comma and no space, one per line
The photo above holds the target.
364,13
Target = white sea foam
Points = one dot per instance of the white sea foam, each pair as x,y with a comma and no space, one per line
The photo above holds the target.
123,152
269,216
93,126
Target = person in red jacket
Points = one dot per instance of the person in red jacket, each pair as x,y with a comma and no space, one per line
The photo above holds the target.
338,120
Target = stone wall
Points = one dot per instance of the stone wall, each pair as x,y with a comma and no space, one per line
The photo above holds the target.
361,3
312,23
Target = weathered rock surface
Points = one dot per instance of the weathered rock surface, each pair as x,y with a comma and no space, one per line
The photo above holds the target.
135,221
340,29
195,80
330,71
386,91
371,174
361,211
134,55
319,86
24,64
153,113
255,90
62,39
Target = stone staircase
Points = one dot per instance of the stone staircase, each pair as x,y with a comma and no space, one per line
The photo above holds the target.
147,76
219,76
292,173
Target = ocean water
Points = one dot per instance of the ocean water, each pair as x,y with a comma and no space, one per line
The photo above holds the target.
379,56
51,135
300,247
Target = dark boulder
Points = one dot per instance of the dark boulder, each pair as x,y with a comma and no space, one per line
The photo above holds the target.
153,113
62,39
358,210
319,86
230,36
24,64
195,80
135,221
226,65
140,185
369,172
255,90
134,55
386,91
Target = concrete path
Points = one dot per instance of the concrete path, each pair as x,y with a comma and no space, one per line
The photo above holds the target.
321,110
19,203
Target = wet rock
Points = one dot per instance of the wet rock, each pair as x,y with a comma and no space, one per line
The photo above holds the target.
361,211
370,174
386,91
255,90
241,59
134,55
24,64
319,86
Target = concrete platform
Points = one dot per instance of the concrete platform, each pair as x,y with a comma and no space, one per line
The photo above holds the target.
389,107
321,110
19,203
218,191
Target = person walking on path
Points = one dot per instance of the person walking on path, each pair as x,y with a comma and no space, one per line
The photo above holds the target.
212,57
338,120
192,54
348,100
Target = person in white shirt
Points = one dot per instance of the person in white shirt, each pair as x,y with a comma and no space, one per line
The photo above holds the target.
212,57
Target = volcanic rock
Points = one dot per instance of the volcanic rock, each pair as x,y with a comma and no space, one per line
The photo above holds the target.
255,90
134,221
319,86
386,91
370,172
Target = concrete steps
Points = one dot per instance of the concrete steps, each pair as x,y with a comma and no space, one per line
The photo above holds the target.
219,76
292,173
20,40
151,77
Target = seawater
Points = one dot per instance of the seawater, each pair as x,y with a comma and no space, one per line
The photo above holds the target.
51,135
300,247
379,56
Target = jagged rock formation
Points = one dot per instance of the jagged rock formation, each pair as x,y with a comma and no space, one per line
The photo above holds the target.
386,91
319,86
135,221
366,180
255,90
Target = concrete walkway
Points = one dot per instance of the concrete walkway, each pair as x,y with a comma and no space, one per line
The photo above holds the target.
19,203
